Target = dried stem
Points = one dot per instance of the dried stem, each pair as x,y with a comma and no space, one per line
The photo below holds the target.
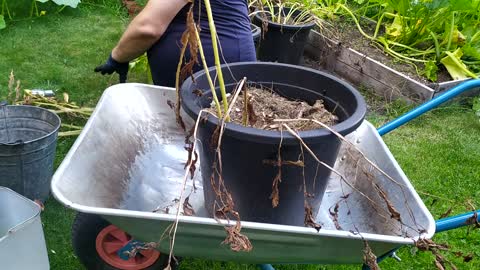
245,107
236,240
173,229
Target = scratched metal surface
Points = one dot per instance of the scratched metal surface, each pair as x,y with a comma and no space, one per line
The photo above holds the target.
128,166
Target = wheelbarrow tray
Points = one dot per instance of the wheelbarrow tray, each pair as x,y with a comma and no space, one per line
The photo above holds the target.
127,165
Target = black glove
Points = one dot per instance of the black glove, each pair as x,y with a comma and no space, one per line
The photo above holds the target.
113,65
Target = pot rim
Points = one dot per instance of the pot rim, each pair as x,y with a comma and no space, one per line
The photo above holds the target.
55,130
249,133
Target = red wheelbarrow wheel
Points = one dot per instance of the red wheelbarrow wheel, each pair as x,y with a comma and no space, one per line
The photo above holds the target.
96,242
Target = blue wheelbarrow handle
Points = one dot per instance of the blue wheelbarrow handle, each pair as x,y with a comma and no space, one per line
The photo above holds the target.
448,223
427,106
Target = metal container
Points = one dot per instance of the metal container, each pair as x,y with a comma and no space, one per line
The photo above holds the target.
127,165
22,244
28,139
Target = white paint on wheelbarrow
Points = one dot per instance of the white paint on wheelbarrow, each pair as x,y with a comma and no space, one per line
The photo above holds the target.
22,244
129,160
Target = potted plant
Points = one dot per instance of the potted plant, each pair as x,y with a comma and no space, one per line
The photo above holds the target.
251,173
242,165
264,170
285,29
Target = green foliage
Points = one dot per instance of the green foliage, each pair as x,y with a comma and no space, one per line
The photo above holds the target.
293,12
12,10
444,32
476,106
431,70
2,22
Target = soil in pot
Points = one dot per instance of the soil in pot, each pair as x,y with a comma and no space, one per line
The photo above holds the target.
264,106
259,165
282,42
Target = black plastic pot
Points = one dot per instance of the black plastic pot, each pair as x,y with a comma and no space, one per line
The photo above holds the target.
245,149
256,31
280,42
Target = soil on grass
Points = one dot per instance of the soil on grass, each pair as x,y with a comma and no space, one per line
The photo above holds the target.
264,106
346,33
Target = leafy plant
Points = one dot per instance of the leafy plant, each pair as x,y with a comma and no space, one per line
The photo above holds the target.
5,12
289,12
424,32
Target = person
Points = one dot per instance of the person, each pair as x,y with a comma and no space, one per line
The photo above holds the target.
158,28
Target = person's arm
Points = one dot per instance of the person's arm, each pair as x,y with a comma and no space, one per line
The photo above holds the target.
146,28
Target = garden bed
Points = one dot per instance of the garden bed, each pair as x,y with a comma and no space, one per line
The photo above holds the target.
354,58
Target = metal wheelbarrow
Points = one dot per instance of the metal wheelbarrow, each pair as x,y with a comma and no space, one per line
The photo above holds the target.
126,168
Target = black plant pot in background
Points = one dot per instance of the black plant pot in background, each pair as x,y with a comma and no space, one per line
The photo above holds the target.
279,42
244,149
256,31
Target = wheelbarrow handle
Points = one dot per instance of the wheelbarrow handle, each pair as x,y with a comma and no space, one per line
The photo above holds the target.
450,223
427,106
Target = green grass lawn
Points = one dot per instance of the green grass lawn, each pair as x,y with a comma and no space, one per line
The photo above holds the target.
440,152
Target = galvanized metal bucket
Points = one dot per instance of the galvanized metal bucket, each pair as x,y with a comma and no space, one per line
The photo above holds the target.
28,139
22,244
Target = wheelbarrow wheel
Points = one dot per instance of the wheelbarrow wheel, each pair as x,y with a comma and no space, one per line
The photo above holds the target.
96,242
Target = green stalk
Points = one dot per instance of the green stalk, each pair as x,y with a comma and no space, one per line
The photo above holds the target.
71,126
69,133
61,9
205,66
377,28
475,36
451,31
399,55
5,8
437,46
406,47
356,21
471,62
423,53
213,33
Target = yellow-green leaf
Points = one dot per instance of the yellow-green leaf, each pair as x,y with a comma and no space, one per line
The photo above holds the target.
395,28
455,67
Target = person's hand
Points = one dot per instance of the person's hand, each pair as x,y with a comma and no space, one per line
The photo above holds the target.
113,65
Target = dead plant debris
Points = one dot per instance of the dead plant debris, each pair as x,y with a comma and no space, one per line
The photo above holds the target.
334,215
468,258
368,257
440,261
309,220
132,6
187,207
447,213
236,240
393,211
